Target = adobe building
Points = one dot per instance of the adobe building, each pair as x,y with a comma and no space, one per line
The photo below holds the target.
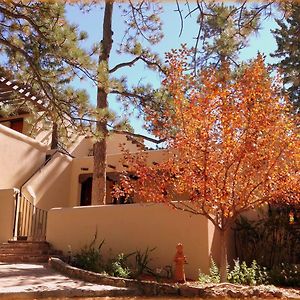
45,195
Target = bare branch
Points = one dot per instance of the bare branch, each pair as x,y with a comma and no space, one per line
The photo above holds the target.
181,18
125,64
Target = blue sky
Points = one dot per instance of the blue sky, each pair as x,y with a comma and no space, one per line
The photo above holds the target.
91,22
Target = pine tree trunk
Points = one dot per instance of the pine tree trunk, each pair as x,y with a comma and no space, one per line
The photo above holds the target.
223,260
99,175
54,136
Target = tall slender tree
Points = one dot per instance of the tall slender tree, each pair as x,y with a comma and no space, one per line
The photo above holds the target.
288,51
142,21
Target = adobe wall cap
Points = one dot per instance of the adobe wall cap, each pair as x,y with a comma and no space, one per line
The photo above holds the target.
23,138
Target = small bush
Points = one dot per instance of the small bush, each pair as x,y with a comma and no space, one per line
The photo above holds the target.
119,266
89,258
142,261
242,274
285,275
214,274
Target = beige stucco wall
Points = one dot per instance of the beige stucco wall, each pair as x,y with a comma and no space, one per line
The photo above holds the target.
116,142
20,157
50,187
127,228
7,210
83,146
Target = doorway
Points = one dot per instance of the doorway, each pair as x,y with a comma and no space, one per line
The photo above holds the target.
86,192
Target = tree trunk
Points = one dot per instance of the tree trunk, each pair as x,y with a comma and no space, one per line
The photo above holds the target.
54,136
223,260
99,175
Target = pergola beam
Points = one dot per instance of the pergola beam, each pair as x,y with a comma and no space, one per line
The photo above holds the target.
15,93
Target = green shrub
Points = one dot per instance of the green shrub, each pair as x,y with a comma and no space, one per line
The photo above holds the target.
242,274
89,258
119,266
214,274
142,261
285,275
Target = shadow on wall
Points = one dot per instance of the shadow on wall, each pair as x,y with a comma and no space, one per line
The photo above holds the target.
20,157
216,245
7,214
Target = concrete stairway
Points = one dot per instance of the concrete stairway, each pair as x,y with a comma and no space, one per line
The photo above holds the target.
27,252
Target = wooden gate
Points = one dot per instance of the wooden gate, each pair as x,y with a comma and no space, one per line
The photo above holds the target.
30,221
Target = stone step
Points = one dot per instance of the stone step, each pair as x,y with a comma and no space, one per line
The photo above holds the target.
16,258
20,250
24,245
27,251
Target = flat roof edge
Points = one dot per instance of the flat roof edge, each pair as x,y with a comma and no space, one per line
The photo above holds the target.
23,138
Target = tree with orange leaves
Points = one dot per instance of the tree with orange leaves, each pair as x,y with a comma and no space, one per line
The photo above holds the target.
233,145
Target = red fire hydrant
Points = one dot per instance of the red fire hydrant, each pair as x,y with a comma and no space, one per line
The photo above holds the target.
180,261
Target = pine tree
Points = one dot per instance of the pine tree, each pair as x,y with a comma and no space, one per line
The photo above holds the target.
40,49
143,21
224,29
288,51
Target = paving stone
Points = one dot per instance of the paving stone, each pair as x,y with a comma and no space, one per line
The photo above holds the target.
20,280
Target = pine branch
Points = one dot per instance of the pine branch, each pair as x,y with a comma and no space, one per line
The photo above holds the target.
153,63
31,64
134,11
181,17
131,95
23,17
136,59
85,71
44,85
125,64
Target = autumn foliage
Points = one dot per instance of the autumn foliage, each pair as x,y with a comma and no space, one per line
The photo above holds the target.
232,144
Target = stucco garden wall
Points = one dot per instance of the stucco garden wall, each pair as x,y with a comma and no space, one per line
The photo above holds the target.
127,228
20,157
7,204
